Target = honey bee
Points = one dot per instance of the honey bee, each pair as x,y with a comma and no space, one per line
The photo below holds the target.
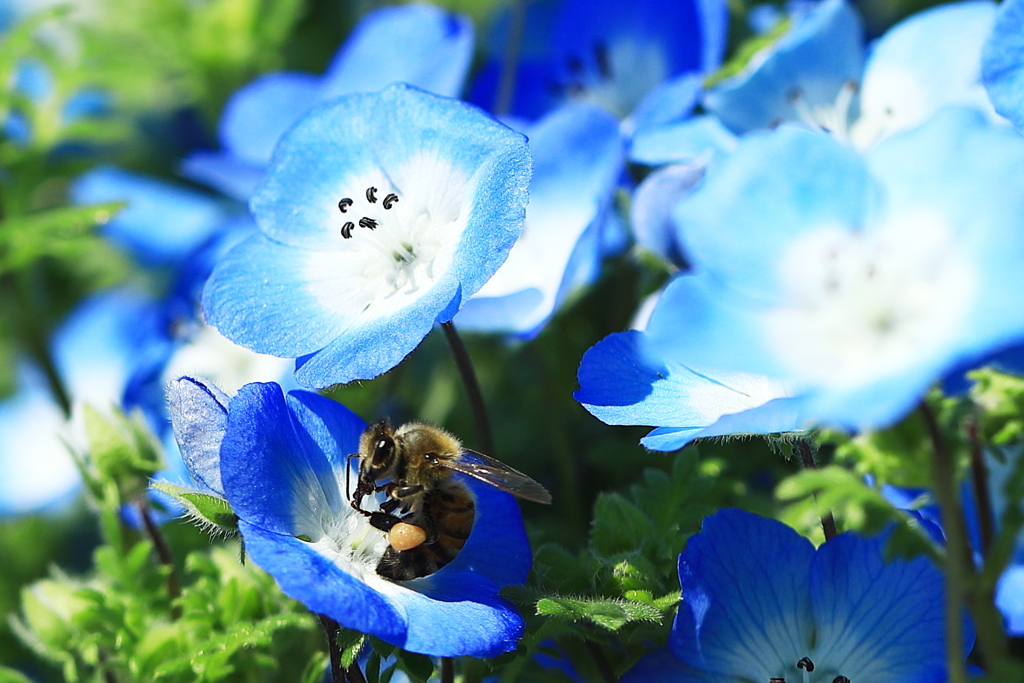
413,466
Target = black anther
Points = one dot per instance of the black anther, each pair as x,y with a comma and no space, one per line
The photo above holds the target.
346,230
365,222
389,200
840,679
344,204
794,94
805,664
776,680
575,64
371,195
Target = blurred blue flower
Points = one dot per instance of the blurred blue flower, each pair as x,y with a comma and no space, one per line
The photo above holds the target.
284,468
761,603
642,60
94,352
578,154
161,224
1003,62
382,214
418,44
856,281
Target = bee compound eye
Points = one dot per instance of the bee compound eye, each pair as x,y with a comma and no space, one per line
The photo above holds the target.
383,450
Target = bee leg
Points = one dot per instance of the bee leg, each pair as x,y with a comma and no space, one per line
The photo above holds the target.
406,491
383,520
389,506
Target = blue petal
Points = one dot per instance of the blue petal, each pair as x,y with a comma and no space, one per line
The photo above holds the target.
877,620
199,416
275,475
1010,598
697,324
418,44
578,155
651,210
161,223
814,60
224,172
306,575
695,140
37,472
668,102
259,295
661,666
746,609
259,113
1002,62
776,186
967,172
925,62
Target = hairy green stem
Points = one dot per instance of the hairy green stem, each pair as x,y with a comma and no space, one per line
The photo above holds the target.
828,521
473,393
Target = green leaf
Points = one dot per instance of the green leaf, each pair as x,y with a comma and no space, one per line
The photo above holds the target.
351,643
12,676
606,613
418,667
745,52
122,450
1001,398
59,232
206,510
619,526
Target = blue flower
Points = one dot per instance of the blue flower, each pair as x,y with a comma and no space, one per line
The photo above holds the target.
284,468
571,224
642,60
161,223
1003,62
760,602
418,44
94,352
381,215
816,74
856,281
623,383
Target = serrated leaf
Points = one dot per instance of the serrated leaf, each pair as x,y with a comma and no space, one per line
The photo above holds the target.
606,613
351,643
204,508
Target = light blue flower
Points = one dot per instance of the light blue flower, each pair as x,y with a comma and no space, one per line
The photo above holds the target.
578,154
161,223
760,603
284,468
817,75
94,352
1003,62
418,44
856,281
381,215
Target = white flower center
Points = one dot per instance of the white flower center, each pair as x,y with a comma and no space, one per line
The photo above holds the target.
858,305
395,236
833,118
210,355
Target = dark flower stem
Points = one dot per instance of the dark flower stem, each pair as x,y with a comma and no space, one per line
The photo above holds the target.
447,670
163,553
979,477
604,667
510,65
339,674
956,567
473,393
828,521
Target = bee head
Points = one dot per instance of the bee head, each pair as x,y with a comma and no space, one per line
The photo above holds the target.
377,451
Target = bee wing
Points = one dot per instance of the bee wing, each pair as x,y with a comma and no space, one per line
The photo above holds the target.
499,475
